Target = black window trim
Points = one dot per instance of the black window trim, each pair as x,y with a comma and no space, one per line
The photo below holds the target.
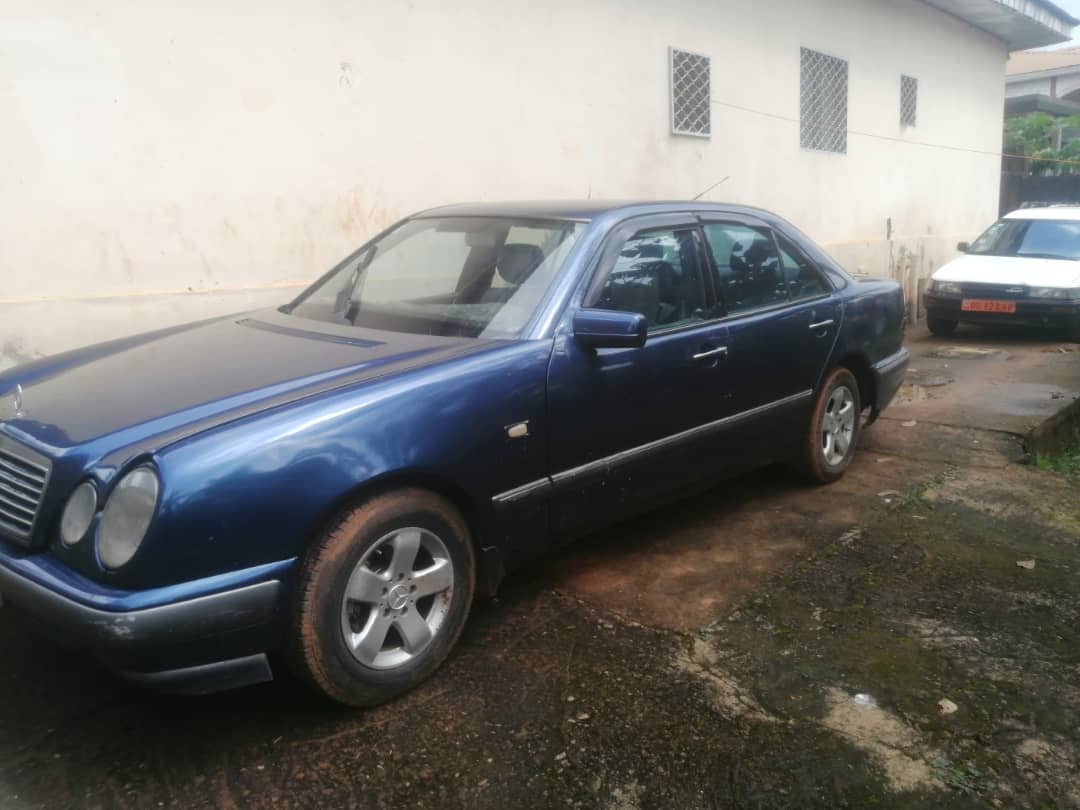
749,222
605,257
628,229
813,266
736,219
709,290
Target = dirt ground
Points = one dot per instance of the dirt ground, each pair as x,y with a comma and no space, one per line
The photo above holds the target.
908,637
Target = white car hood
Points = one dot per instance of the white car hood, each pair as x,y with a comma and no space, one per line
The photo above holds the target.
1014,270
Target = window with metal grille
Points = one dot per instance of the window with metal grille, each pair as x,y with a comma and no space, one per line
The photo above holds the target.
691,106
909,101
823,96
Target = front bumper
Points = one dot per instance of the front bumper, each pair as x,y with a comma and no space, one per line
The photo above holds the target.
1063,315
197,645
888,377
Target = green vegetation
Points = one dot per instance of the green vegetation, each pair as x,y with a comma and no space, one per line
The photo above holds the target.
1046,141
1066,463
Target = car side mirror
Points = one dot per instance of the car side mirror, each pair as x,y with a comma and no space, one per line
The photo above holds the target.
963,247
610,329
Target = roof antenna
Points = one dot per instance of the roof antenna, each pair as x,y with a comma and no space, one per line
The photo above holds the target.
714,185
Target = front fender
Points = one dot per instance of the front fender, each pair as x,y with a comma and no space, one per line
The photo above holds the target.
254,491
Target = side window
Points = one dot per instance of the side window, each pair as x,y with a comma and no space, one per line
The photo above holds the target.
658,273
803,279
750,272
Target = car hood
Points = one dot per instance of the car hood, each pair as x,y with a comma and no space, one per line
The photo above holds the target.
1016,270
179,380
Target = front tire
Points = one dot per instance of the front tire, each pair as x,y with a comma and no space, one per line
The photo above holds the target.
382,597
942,327
833,430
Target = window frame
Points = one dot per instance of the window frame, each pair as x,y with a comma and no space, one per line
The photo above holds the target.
827,282
905,80
603,263
630,229
735,219
672,93
847,102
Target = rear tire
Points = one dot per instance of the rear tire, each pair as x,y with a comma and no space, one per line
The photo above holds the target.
942,327
833,431
381,597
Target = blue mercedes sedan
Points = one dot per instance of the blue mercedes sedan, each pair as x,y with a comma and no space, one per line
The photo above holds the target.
335,480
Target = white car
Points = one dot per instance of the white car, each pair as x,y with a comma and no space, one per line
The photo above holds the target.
1025,269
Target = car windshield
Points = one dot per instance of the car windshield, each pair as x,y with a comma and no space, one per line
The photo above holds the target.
1033,238
453,276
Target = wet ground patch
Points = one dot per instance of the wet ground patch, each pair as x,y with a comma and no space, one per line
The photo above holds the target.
928,604
547,703
967,353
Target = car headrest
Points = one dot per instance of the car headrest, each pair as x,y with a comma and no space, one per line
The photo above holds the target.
517,262
663,272
760,251
753,257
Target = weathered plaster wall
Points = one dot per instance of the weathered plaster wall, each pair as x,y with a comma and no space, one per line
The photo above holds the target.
167,161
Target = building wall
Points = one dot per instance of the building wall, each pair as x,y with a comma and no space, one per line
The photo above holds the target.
168,161
1059,85
1042,85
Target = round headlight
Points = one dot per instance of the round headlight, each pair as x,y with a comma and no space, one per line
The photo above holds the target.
78,513
127,516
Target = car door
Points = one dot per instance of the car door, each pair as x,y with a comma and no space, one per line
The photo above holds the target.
782,320
623,421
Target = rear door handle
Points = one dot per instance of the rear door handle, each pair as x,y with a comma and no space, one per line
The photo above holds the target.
821,325
720,352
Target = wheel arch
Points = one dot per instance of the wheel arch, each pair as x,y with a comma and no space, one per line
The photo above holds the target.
861,369
488,567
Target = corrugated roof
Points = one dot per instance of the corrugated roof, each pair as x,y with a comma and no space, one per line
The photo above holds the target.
1020,24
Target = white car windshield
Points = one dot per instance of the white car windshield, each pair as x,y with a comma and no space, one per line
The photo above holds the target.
1033,238
453,276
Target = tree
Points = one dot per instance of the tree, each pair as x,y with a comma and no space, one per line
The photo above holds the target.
1045,140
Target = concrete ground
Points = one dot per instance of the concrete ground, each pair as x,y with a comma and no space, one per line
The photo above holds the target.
765,644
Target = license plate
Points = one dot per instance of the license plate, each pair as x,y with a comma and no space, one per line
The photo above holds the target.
979,305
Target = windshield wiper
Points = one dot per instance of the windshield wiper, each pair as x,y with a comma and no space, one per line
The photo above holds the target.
344,300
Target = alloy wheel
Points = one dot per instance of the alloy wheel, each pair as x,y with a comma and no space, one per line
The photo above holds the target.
397,598
838,425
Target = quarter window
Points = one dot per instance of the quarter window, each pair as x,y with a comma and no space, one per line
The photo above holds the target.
658,273
750,273
803,279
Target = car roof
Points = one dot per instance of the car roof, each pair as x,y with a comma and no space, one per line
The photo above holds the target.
1058,212
582,210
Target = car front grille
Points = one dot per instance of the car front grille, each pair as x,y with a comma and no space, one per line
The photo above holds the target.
996,291
23,476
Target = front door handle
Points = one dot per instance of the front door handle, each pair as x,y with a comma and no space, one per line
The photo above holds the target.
821,325
720,352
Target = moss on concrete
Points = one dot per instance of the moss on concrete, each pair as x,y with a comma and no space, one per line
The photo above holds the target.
928,603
